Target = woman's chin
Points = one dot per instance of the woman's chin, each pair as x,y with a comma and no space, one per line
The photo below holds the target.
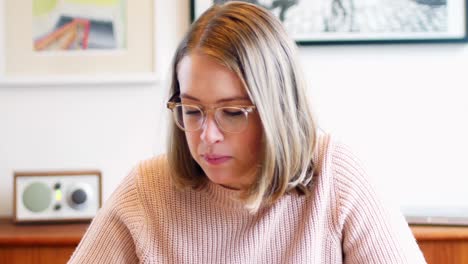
223,180
218,179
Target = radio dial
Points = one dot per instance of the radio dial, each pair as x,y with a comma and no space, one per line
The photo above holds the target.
78,196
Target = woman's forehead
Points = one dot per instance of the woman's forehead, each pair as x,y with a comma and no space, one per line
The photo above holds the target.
202,78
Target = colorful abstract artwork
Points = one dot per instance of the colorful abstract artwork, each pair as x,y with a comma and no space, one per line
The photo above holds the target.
79,24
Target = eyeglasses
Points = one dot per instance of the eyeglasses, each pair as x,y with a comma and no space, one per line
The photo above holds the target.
191,117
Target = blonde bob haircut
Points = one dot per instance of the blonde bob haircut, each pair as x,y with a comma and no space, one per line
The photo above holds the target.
252,43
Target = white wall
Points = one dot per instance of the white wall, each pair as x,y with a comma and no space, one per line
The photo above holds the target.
402,108
106,127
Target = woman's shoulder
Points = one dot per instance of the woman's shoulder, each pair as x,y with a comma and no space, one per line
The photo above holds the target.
341,170
332,151
364,217
153,171
153,163
142,180
145,186
336,164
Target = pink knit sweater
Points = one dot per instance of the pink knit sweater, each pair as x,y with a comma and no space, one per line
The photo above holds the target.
146,220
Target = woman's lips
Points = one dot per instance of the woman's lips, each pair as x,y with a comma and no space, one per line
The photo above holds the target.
216,159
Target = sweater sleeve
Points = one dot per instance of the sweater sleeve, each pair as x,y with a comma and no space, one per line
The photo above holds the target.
110,237
372,230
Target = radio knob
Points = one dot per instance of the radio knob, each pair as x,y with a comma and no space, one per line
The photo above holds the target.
79,196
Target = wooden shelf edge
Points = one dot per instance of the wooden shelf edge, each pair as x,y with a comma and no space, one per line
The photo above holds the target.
437,233
47,234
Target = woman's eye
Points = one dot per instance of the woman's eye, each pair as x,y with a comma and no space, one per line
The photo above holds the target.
194,112
232,112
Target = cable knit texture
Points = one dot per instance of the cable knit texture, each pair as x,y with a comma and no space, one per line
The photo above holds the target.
147,220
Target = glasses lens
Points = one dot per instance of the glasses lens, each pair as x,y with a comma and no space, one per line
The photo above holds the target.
231,119
188,118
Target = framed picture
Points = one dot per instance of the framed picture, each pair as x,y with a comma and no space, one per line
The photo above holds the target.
77,41
364,21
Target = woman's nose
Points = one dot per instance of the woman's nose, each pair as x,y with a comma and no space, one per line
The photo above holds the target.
211,133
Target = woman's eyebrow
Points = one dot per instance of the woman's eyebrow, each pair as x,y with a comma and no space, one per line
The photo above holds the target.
223,100
187,96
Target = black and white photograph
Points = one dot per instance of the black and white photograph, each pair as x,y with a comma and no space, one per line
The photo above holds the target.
363,21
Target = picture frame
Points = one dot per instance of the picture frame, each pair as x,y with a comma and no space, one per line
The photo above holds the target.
337,22
132,62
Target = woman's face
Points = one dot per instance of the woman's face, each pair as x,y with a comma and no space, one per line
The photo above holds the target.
229,159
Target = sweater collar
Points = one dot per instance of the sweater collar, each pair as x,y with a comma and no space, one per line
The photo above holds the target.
226,197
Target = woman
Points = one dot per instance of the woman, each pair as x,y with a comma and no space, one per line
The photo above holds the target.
247,179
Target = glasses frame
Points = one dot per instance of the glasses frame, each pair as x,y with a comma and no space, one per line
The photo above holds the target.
172,103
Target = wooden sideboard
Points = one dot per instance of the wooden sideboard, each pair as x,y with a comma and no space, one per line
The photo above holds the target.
38,244
443,244
54,243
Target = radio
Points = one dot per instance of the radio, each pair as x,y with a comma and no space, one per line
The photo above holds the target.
56,196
